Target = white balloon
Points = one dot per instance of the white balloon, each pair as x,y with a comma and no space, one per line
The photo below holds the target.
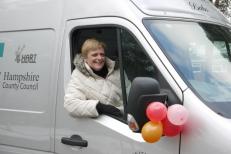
177,114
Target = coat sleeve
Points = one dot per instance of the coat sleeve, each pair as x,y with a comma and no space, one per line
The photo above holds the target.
75,101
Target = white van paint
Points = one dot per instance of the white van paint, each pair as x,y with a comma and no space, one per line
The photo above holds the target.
35,69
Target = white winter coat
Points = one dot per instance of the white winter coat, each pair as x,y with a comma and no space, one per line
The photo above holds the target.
86,89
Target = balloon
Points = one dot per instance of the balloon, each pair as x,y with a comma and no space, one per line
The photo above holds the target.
152,131
156,111
169,129
177,114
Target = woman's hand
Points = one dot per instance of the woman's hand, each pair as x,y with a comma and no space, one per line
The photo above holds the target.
108,110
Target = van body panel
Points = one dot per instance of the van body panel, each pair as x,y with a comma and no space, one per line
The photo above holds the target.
191,9
120,9
25,88
207,131
13,150
25,15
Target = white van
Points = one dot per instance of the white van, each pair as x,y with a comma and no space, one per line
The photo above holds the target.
185,45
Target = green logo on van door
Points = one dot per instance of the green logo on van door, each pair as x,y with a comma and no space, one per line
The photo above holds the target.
1,49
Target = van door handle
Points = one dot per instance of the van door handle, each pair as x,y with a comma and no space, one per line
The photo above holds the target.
74,140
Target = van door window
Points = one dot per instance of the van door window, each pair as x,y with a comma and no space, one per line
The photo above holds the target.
136,63
133,60
93,89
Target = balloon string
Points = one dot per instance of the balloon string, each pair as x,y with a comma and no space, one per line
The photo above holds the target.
165,103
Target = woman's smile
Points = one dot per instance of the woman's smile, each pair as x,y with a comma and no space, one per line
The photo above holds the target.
96,59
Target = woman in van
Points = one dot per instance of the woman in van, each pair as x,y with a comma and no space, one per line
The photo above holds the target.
94,87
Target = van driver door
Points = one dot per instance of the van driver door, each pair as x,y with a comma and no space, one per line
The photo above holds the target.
105,134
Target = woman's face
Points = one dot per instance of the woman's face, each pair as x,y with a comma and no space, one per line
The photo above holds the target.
96,59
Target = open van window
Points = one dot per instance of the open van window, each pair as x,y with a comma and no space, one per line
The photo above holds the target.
95,84
123,47
200,52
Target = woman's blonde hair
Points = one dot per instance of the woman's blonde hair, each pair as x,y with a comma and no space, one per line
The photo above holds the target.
91,44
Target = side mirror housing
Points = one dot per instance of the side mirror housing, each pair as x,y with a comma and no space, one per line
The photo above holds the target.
144,90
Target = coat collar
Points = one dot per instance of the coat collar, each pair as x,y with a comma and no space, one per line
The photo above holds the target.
87,71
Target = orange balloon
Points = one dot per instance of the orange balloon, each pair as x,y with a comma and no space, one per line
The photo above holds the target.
152,131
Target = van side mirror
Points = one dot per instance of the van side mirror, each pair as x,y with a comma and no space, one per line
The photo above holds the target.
144,90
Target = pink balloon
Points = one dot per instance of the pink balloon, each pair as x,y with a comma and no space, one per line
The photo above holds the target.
169,129
156,111
177,114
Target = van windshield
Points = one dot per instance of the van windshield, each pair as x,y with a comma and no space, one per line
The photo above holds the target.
200,52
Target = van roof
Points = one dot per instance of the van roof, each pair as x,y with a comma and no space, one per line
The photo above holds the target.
196,9
27,14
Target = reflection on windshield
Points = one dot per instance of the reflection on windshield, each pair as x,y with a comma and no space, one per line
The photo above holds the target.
201,54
